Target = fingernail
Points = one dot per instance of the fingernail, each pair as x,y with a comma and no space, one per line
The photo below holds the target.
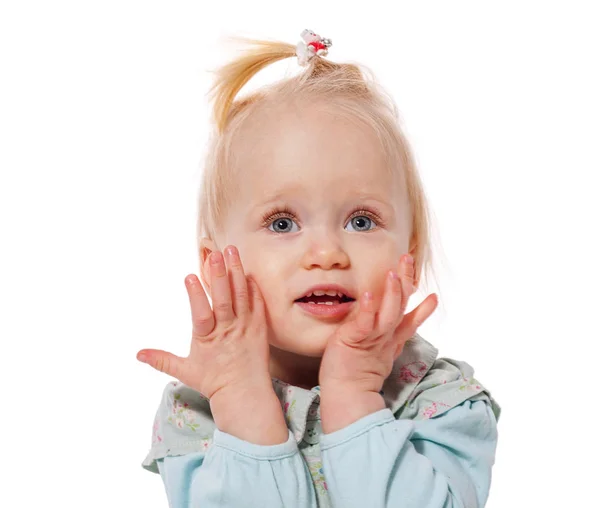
231,251
142,357
392,275
408,259
215,258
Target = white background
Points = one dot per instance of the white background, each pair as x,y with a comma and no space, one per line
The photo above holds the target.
103,118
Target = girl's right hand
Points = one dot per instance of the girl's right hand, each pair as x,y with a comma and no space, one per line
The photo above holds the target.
229,352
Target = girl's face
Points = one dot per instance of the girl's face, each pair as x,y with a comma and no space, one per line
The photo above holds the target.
315,205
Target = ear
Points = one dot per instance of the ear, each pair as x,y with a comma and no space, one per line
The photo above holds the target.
206,247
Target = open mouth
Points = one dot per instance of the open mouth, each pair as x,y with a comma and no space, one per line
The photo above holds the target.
326,302
325,299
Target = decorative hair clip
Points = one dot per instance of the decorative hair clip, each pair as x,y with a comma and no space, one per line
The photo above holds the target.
311,45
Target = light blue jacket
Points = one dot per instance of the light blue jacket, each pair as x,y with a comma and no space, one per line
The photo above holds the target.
432,447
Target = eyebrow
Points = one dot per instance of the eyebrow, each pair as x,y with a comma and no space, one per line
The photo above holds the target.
373,197
282,194
279,195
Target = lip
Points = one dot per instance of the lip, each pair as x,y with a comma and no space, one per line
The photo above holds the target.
323,311
337,310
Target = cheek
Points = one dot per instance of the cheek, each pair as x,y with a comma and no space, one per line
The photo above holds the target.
377,265
267,274
377,285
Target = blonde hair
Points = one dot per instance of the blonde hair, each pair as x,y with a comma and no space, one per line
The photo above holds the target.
348,88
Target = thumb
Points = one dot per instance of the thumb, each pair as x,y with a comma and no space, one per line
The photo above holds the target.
163,361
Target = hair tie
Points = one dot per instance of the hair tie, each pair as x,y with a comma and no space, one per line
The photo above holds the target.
311,45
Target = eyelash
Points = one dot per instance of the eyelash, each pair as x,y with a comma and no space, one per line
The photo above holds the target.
288,213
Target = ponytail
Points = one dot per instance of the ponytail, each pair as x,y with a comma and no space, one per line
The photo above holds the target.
233,76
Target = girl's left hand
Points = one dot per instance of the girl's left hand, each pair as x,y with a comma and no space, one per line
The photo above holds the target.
360,354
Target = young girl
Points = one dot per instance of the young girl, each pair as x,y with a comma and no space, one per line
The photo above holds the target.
306,383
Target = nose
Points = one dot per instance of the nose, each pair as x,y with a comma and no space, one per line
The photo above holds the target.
326,253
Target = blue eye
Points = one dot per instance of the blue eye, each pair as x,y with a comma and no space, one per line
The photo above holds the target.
283,225
282,220
361,223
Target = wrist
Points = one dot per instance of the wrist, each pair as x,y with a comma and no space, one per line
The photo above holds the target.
251,413
341,407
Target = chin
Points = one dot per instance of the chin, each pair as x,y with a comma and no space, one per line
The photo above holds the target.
299,346
301,350
301,335
316,352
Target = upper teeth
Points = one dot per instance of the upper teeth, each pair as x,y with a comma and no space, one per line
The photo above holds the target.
328,293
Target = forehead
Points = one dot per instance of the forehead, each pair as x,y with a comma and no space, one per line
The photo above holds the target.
312,153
